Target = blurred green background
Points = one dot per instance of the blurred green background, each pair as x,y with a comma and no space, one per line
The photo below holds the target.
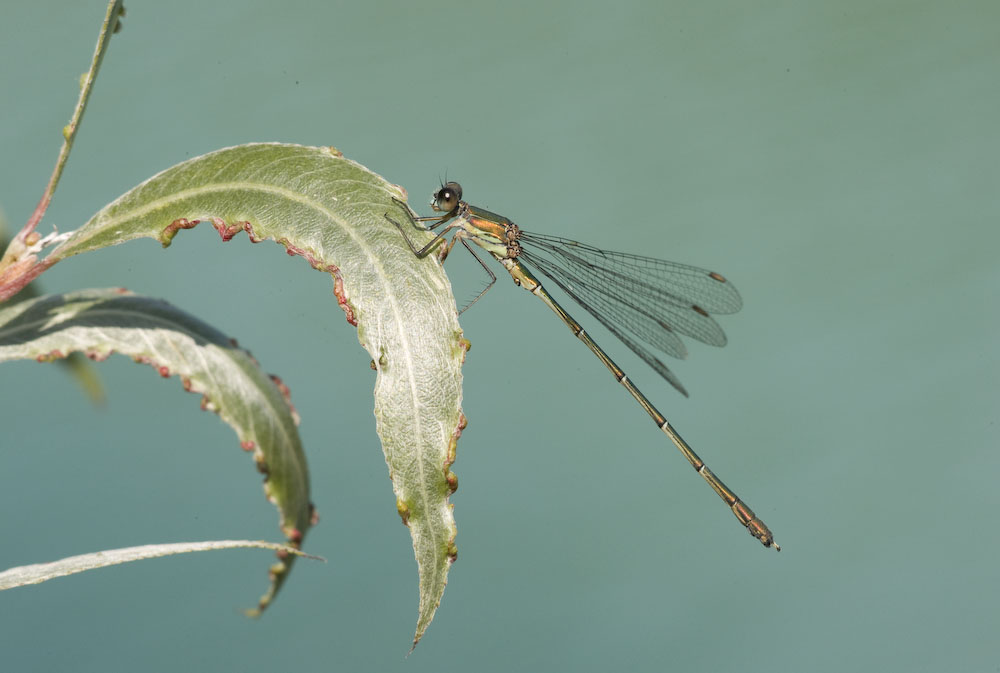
837,161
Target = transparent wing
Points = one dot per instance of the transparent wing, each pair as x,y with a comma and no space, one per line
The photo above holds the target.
638,299
679,283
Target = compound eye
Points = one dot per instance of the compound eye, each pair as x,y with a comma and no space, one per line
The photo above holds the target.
446,199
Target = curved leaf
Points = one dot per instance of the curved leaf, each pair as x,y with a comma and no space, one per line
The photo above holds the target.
76,364
101,322
42,572
331,211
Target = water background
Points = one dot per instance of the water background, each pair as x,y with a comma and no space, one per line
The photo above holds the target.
837,161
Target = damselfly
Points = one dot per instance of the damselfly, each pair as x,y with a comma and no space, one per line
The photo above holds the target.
638,299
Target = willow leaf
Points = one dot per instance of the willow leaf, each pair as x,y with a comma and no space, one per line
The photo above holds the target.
42,572
331,211
101,322
76,364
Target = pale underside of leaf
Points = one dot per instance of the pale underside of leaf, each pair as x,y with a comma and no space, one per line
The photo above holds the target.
332,212
42,572
101,322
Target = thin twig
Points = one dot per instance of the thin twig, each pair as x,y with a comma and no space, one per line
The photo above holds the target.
111,25
19,264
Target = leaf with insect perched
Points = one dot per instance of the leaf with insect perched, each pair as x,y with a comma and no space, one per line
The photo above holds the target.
331,211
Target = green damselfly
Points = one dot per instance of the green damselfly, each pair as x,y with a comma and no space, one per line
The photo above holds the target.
638,299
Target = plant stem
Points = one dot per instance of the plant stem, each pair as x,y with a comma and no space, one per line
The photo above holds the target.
111,25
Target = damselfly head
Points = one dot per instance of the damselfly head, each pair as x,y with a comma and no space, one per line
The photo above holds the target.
446,199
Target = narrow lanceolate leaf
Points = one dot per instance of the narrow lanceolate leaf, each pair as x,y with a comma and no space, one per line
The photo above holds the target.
77,365
42,572
101,322
332,212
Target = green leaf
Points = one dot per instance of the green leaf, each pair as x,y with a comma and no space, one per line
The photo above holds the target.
41,572
101,322
77,365
332,212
